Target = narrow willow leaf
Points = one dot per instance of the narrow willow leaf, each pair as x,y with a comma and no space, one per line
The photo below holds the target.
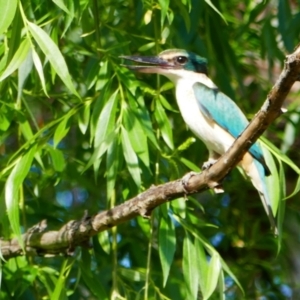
93,282
215,9
295,191
12,188
61,5
136,135
53,54
164,124
213,273
8,10
189,266
189,164
133,275
179,207
167,245
210,249
103,76
58,159
273,184
60,291
61,130
103,239
145,120
17,59
130,158
279,155
202,266
112,167
146,47
39,68
164,5
84,117
23,73
221,286
106,118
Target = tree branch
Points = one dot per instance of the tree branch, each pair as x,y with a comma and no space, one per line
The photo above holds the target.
39,241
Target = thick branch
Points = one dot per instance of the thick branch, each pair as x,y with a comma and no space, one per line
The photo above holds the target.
39,241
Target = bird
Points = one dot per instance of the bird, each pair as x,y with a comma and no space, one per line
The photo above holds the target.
210,114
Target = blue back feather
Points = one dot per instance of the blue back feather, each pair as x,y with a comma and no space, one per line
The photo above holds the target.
221,109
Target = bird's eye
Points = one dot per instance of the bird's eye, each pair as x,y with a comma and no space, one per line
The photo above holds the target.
181,60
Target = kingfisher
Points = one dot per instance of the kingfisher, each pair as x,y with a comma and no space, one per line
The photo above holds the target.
211,115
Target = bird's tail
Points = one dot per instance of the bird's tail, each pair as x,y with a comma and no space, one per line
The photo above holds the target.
256,173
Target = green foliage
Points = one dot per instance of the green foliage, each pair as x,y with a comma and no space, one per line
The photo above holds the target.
80,132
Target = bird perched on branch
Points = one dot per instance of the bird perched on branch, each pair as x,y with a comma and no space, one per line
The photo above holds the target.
211,115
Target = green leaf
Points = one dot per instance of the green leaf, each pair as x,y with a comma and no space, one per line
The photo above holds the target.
61,5
39,68
131,158
106,120
58,159
164,124
8,10
215,9
167,246
84,117
279,155
12,188
189,267
208,272
136,135
144,117
61,130
53,54
146,47
103,76
164,5
94,283
112,165
103,239
17,59
273,185
60,290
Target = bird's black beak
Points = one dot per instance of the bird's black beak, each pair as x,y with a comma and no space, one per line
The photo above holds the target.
155,62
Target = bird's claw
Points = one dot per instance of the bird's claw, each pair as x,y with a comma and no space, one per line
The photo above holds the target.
185,180
206,165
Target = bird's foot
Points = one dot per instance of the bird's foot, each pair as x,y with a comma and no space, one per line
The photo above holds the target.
185,180
206,165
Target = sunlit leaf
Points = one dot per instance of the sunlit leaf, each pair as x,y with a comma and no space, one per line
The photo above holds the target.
189,266
130,158
84,117
136,135
61,131
167,245
164,124
39,68
57,158
17,59
8,10
103,126
53,54
12,189
164,4
61,5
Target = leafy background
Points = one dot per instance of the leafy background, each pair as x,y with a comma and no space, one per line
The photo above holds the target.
80,132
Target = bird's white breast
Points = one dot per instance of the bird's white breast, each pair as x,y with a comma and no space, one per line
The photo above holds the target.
215,137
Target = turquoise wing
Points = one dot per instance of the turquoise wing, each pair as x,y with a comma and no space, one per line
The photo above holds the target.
222,110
